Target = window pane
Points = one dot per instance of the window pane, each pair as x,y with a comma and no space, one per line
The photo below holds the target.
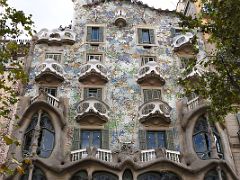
85,136
80,175
146,36
200,143
47,143
104,176
96,142
28,142
151,140
161,139
95,34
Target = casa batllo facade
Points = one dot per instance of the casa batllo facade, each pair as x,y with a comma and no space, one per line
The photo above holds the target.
103,102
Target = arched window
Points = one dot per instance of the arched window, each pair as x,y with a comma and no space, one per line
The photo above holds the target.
202,139
80,175
37,175
158,176
45,138
104,176
213,175
127,175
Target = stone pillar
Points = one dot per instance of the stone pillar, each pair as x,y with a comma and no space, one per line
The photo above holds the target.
30,172
219,170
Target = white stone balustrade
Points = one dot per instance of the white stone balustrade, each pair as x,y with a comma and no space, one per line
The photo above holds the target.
93,66
78,154
93,105
57,35
50,65
182,39
102,154
54,101
154,107
150,154
106,155
193,103
148,68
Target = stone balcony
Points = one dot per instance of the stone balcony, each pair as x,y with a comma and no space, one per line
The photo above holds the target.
92,111
149,74
183,41
56,36
49,71
154,112
94,72
112,157
194,104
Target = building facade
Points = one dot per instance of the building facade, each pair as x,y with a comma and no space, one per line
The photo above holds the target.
103,101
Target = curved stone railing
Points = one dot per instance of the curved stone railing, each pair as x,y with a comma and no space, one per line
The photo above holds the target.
107,155
50,65
150,154
93,66
54,101
101,154
154,107
57,35
150,67
182,39
93,105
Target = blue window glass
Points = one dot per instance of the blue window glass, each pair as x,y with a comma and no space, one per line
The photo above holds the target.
80,175
146,36
104,176
156,139
158,176
90,138
37,175
95,34
202,139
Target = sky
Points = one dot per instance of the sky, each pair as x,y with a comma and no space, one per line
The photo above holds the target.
53,13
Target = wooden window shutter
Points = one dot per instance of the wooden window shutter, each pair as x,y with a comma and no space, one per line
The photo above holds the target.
238,118
152,36
105,139
173,31
101,34
85,93
89,34
170,140
76,144
156,94
142,139
140,40
99,94
147,94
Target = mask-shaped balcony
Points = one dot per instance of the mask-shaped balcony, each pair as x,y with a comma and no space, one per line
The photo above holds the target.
154,112
49,71
93,72
183,42
56,36
92,111
120,19
149,74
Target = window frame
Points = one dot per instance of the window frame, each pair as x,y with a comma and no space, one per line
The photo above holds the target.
89,40
91,137
88,54
152,40
99,89
47,88
156,139
151,89
54,54
146,58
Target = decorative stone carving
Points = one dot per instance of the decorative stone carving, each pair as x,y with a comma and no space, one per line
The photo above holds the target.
160,152
91,151
127,152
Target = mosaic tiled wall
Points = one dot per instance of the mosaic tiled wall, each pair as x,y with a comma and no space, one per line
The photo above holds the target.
122,59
